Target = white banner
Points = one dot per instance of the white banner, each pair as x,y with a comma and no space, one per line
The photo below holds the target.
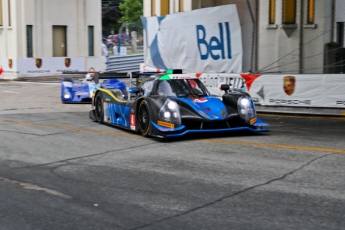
302,90
42,66
195,43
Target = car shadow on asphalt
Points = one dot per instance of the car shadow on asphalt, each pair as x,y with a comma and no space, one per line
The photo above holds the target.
208,136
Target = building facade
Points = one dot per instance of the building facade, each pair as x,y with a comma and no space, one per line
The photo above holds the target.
46,37
280,36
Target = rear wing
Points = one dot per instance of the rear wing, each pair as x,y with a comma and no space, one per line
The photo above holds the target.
131,75
108,75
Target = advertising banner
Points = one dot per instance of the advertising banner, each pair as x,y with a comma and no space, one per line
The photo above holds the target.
43,66
302,90
195,43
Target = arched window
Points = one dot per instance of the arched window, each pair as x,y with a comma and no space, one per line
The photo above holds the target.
289,11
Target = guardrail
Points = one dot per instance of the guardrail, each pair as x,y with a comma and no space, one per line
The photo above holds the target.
129,63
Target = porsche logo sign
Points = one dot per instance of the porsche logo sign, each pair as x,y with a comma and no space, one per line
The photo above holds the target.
289,83
10,63
67,62
38,62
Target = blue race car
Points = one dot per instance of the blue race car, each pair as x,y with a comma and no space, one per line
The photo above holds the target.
80,91
173,104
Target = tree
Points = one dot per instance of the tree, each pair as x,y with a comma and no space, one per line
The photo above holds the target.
131,10
110,16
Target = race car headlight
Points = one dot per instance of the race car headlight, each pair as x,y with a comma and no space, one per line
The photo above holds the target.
246,109
66,94
170,112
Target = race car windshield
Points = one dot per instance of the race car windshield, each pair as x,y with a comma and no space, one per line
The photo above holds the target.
182,87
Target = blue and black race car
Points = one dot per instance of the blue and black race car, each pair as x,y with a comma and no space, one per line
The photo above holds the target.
174,104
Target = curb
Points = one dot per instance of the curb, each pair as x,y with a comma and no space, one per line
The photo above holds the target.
313,111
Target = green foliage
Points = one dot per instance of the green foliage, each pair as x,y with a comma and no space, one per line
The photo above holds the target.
110,16
131,10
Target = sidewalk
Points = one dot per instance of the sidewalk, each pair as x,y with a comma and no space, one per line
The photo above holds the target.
301,111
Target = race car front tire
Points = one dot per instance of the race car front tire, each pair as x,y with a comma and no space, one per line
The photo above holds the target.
99,110
144,118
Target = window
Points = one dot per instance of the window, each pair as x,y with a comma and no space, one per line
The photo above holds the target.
153,8
146,88
311,11
9,12
289,12
340,33
180,6
272,12
164,7
29,49
0,12
91,41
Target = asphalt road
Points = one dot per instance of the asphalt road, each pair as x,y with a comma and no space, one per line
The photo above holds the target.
59,170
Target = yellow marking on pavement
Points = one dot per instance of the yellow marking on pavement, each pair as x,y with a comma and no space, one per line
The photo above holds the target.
209,140
35,187
276,146
69,128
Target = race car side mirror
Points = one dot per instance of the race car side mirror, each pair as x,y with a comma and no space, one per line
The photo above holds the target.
225,87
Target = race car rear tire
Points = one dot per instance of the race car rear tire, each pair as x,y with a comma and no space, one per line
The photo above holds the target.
99,110
144,118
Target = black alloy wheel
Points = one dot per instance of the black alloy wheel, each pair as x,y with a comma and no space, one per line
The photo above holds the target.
144,118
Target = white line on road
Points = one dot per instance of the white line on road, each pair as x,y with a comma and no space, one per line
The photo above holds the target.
10,92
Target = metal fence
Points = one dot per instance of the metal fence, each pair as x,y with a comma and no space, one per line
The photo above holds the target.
129,63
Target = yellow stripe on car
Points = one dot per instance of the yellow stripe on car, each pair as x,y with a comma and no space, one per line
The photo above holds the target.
252,121
166,124
110,94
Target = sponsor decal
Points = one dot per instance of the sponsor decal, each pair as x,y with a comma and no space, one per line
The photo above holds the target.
289,84
166,124
39,62
67,62
252,121
82,93
290,102
207,110
1,71
38,71
181,77
132,121
200,100
10,63
67,70
340,102
215,44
